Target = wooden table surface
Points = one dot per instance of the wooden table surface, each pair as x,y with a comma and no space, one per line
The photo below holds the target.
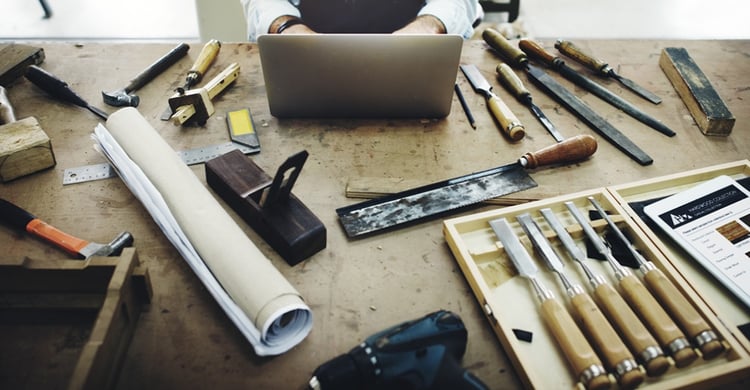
354,287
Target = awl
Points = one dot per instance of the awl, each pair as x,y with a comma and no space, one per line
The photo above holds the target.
509,124
566,98
514,84
617,358
583,360
205,58
603,68
535,50
437,198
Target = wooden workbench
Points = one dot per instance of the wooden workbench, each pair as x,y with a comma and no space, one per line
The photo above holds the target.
354,287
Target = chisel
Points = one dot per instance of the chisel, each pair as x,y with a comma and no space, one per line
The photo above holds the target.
671,338
602,335
702,335
515,86
509,123
575,105
580,355
535,50
635,334
603,68
59,89
205,58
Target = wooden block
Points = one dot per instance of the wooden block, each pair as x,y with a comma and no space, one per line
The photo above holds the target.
15,58
24,149
694,88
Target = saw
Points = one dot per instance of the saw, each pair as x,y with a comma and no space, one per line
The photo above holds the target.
444,196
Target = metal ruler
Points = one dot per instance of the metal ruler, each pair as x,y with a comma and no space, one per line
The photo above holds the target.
190,157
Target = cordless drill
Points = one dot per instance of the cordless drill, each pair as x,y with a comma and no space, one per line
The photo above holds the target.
418,354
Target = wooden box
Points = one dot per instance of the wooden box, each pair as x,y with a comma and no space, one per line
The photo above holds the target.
510,304
24,149
69,321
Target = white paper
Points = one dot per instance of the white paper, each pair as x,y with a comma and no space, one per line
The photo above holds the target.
274,333
711,221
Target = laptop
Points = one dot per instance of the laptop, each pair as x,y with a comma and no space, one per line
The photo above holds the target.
359,75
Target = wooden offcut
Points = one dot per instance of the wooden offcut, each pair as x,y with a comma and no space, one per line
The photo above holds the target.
705,105
24,149
15,58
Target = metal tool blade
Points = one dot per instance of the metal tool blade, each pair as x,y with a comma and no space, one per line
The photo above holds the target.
433,199
540,242
513,247
478,82
567,240
589,116
546,122
611,98
642,92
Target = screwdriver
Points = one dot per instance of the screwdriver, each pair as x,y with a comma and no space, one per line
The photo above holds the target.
658,321
577,350
692,323
635,334
59,89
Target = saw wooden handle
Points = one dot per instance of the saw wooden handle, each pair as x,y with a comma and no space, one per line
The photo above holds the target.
509,123
605,339
684,313
536,51
577,350
663,327
572,51
635,334
498,42
572,149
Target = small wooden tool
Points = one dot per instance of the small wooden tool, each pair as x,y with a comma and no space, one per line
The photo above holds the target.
267,205
195,105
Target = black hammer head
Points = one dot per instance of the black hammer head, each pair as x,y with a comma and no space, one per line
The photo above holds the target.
120,98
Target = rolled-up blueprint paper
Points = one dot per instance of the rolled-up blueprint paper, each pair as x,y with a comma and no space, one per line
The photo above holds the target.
257,298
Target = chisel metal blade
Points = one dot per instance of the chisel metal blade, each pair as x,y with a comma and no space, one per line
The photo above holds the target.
589,116
546,122
630,84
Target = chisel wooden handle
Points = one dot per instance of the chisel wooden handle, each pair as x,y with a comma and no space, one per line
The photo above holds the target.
571,149
658,321
577,350
509,123
641,342
498,42
512,82
536,51
572,51
605,339
684,313
205,58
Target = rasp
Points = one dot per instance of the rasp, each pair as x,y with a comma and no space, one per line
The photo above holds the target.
587,367
518,58
597,65
509,124
535,50
437,198
515,86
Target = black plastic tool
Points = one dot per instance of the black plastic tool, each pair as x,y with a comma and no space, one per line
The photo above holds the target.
59,89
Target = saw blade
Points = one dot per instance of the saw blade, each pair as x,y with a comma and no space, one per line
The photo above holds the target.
190,157
432,199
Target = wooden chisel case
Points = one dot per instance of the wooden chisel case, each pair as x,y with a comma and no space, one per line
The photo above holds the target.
509,302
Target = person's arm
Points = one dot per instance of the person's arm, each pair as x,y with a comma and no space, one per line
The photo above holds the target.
265,16
445,16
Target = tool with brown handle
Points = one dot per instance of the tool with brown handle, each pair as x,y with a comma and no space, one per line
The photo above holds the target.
205,58
671,338
702,335
577,350
18,218
597,65
632,330
509,123
600,332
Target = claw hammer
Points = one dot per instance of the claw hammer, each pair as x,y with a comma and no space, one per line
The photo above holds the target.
18,218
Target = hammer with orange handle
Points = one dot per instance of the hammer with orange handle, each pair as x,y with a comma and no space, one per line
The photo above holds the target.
18,218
